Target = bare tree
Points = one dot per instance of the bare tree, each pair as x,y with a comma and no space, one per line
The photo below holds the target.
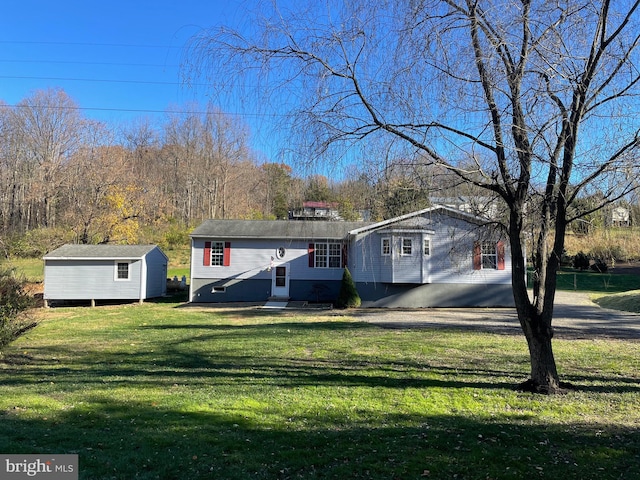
541,96
47,130
208,164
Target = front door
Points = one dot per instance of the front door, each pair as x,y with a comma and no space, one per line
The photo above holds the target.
280,281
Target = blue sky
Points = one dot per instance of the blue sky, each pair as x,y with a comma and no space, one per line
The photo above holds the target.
118,60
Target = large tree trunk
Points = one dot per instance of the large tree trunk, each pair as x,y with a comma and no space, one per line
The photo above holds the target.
535,316
544,375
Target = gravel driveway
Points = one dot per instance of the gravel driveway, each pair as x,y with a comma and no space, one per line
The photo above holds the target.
575,316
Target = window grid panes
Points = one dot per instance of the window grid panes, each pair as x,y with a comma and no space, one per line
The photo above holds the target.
407,246
426,247
321,255
328,255
123,271
489,256
386,247
217,254
335,255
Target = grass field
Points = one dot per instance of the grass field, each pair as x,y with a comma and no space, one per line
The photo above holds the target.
625,301
163,391
597,282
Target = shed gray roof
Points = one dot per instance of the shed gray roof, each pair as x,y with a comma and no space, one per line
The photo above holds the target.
123,252
287,229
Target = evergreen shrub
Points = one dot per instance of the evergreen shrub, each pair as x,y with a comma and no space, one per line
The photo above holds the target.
348,297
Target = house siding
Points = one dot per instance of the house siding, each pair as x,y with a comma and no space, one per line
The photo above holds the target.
394,295
90,279
248,276
450,260
256,290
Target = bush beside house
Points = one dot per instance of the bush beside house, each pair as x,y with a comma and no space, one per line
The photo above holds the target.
348,297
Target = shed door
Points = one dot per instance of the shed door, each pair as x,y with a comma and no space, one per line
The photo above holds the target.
280,280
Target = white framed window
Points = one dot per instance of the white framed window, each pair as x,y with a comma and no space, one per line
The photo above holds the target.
217,254
385,246
426,247
327,255
218,289
489,256
122,271
335,255
321,255
407,247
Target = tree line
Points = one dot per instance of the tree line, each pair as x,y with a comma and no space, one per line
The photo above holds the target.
67,178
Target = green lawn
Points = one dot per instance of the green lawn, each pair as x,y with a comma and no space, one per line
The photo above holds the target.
160,391
625,301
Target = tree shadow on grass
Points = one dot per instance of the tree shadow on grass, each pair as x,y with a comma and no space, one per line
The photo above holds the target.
125,440
179,362
175,366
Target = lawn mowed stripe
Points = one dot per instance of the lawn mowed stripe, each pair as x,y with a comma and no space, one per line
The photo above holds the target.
156,391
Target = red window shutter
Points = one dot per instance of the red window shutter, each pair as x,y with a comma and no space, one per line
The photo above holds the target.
477,256
500,250
226,255
207,254
345,255
312,255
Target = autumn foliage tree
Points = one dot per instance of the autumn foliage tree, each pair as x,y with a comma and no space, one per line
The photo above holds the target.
72,179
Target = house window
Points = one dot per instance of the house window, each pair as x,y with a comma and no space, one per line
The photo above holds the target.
407,246
426,247
325,255
217,254
386,247
489,256
335,255
122,271
321,255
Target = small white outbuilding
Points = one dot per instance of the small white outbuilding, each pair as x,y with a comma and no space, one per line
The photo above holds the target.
104,272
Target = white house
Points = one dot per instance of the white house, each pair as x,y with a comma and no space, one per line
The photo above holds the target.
435,257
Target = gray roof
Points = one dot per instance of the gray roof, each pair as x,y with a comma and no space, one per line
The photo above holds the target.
452,212
285,229
85,252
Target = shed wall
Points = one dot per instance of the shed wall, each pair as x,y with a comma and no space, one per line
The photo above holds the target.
156,284
89,279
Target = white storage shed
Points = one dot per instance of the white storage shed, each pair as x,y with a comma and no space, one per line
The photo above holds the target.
104,272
